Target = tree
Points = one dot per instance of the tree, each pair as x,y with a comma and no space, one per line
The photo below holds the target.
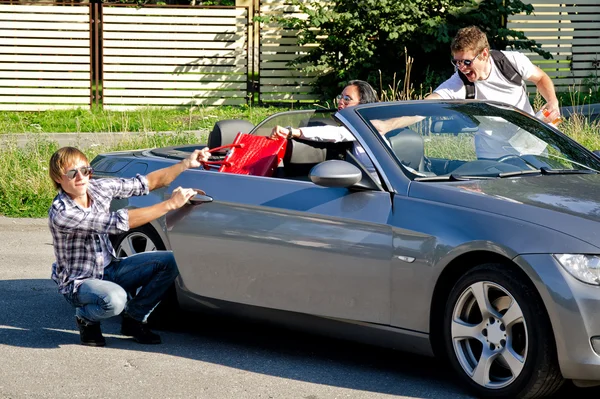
369,39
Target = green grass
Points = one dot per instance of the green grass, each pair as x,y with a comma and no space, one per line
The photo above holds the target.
25,186
144,120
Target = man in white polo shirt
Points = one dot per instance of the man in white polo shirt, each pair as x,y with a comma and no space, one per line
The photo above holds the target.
472,57
494,75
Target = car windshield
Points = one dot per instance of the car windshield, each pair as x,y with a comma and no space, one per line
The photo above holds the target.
296,119
437,141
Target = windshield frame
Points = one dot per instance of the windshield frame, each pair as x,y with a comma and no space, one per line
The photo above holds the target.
571,151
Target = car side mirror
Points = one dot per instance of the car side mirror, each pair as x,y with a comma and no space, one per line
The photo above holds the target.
335,173
596,153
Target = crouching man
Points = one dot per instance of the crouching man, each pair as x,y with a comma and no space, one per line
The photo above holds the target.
86,270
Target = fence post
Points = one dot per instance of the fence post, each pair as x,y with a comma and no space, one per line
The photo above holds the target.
252,27
95,52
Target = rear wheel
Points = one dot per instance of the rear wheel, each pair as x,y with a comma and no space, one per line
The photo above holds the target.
146,239
498,337
141,239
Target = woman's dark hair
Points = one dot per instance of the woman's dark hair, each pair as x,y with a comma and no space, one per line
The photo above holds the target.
366,92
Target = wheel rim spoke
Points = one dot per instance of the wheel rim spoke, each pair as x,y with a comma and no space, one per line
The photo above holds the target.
513,314
479,291
462,330
515,362
127,246
481,374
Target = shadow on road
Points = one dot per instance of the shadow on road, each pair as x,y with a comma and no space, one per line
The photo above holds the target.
34,315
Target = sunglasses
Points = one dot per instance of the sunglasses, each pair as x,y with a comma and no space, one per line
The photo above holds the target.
344,99
84,170
467,63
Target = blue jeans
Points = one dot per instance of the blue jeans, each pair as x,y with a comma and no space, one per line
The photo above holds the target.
96,299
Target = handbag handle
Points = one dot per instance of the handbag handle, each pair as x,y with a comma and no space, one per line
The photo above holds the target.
206,163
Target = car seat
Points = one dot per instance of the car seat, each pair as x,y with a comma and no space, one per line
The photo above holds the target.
408,147
224,132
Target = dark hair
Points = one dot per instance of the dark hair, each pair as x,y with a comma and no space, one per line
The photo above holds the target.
365,90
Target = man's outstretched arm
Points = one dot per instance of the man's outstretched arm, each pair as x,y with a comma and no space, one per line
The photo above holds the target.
165,176
141,216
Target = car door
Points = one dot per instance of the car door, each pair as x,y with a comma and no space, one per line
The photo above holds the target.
285,244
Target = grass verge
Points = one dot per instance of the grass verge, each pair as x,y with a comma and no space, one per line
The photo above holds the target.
143,120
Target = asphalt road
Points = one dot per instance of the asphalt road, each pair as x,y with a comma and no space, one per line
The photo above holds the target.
203,357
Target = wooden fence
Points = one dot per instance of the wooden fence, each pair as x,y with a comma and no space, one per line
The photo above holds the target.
187,56
571,33
44,57
174,56
278,46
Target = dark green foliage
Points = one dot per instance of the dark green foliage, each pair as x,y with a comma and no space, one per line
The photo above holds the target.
365,37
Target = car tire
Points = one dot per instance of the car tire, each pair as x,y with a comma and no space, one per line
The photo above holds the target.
498,337
224,132
146,239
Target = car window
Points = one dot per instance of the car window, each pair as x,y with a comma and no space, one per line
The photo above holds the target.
474,139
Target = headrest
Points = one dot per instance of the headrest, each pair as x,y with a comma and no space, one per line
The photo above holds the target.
224,132
446,126
408,147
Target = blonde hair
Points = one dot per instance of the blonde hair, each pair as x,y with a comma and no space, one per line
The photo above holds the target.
60,159
470,38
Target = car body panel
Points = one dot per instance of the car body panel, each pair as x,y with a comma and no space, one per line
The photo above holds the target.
549,201
574,310
287,245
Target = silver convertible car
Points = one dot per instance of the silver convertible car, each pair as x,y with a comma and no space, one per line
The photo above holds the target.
466,230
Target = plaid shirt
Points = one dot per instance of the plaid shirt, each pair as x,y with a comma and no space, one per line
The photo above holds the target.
79,234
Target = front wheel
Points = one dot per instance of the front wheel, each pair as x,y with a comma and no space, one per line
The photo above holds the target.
498,337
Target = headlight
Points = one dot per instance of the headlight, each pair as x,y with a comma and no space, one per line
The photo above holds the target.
585,268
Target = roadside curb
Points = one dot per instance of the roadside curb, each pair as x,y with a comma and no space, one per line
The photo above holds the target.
87,140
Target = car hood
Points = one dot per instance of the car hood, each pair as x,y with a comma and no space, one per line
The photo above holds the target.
566,203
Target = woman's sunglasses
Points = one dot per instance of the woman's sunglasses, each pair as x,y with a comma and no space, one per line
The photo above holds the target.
84,170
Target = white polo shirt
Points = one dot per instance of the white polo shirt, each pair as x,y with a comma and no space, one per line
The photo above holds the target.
496,87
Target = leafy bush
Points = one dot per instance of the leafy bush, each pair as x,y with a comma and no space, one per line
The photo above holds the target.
365,38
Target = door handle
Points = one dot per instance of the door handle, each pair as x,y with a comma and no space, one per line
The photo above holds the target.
199,198
173,217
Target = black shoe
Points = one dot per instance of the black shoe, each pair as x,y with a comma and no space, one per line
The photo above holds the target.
90,334
139,331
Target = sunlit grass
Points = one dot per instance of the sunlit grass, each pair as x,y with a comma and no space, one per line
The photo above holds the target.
25,186
449,145
142,120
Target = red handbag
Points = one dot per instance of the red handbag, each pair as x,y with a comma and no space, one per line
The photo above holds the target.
251,155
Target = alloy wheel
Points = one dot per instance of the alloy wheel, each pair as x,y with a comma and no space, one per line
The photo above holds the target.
134,243
489,335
